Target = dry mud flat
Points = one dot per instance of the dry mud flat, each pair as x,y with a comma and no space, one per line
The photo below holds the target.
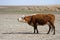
11,29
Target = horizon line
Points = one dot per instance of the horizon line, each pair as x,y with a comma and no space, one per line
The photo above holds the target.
31,5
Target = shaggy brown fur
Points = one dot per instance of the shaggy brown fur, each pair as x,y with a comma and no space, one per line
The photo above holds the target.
41,19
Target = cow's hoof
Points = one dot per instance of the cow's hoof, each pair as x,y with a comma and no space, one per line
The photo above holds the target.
54,34
34,32
47,33
37,32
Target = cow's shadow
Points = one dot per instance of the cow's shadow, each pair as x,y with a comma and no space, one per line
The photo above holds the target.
21,33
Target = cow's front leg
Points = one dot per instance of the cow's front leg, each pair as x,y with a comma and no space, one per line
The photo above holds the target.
35,29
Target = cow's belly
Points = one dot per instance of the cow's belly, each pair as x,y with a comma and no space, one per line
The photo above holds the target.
42,22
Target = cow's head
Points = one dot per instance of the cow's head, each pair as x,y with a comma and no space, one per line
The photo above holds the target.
24,18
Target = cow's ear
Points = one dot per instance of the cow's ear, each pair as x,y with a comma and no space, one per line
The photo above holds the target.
22,16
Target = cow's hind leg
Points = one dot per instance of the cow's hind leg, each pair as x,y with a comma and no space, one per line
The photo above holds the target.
49,28
53,27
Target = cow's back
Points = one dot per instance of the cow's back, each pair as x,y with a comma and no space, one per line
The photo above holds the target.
39,19
42,19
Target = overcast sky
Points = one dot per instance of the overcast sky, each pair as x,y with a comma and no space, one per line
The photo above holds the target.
29,2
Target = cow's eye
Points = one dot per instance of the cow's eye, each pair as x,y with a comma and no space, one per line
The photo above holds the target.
22,17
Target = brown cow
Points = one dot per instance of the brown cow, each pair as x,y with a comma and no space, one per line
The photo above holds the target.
40,19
